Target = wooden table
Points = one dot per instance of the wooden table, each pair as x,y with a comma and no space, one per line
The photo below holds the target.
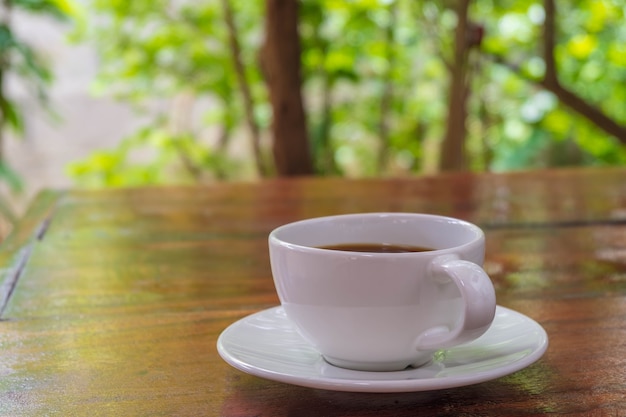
112,301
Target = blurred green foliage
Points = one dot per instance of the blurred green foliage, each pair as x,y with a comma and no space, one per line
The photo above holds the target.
366,64
19,60
180,56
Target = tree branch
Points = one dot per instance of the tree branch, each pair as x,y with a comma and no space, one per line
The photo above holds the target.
244,86
587,110
549,40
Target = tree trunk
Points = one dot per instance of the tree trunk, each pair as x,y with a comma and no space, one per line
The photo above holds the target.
453,156
281,65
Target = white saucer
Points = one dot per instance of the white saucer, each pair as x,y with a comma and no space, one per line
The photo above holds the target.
267,345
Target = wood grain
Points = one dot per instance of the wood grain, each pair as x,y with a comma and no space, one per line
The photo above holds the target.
123,293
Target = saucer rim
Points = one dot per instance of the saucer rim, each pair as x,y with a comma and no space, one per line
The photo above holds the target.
384,386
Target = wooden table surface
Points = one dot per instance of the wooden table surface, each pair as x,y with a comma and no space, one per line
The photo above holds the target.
112,301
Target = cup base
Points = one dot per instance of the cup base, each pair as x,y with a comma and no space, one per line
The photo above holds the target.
390,366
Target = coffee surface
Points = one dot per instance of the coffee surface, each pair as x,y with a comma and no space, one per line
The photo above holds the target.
376,248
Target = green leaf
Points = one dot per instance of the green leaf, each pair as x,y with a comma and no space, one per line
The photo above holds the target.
10,177
12,116
59,9
559,122
6,38
617,54
582,45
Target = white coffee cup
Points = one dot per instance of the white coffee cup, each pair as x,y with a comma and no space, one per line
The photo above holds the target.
383,311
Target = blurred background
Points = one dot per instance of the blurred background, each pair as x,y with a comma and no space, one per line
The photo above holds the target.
97,93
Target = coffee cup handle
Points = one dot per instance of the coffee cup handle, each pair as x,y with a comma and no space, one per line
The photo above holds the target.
479,303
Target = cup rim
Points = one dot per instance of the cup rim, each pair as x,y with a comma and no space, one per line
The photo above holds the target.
274,234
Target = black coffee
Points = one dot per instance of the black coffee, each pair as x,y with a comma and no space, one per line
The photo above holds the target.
376,247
